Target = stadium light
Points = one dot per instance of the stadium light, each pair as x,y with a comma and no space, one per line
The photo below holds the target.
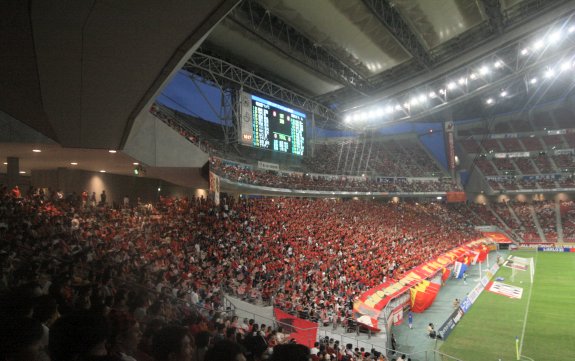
490,101
503,93
432,94
571,29
498,64
461,81
347,119
524,51
451,85
555,37
422,98
533,81
398,107
414,101
565,66
538,44
549,73
473,76
484,70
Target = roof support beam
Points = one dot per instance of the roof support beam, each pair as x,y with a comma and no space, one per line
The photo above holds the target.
495,18
393,21
216,70
261,22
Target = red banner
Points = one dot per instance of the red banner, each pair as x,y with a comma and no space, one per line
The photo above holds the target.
302,331
498,237
483,252
456,197
397,315
374,300
445,274
423,295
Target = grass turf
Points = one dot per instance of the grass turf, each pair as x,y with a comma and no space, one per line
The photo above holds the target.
488,330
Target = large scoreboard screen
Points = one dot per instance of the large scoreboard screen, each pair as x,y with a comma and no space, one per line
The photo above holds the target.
273,127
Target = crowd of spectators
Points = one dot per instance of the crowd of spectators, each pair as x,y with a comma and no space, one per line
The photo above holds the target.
544,165
504,165
527,213
567,182
405,158
518,183
547,217
84,282
570,138
532,143
301,181
491,145
511,145
130,279
502,210
525,165
567,210
564,161
527,228
168,116
486,167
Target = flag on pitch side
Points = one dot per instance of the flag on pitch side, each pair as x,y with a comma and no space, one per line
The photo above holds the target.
458,269
302,331
483,252
423,295
467,258
445,272
474,257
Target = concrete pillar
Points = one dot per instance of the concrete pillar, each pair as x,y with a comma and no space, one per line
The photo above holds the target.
13,172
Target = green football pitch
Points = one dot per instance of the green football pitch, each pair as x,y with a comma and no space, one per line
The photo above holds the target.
543,319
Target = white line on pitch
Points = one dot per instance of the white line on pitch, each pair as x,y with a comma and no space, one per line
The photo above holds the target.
527,310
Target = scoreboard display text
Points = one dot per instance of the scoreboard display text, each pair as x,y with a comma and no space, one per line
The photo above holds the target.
276,127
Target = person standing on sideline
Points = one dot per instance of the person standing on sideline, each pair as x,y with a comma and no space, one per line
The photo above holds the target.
410,320
431,331
464,278
393,343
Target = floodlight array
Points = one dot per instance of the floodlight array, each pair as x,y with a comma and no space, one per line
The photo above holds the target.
532,58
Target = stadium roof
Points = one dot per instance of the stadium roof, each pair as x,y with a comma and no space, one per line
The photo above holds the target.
343,53
80,72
